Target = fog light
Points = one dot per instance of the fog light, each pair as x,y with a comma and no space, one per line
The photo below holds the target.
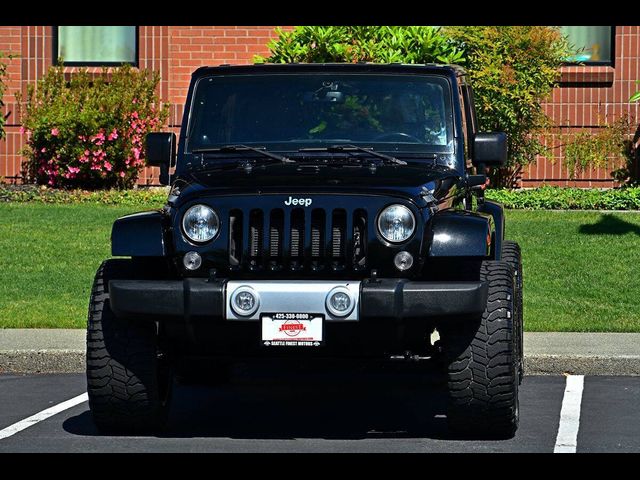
403,261
192,261
245,301
339,302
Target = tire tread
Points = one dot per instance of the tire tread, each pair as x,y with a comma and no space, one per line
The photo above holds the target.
482,369
122,366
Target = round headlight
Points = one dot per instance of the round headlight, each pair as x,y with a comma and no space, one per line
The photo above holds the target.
200,224
396,223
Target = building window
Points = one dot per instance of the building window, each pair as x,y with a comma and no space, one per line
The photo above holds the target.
595,44
93,46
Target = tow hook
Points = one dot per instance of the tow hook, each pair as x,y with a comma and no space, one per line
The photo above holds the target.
409,356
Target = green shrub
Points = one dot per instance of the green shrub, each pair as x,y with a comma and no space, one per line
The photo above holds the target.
597,149
89,131
561,198
513,70
3,87
636,96
140,197
383,44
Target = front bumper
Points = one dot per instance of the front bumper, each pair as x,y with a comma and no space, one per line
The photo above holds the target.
382,299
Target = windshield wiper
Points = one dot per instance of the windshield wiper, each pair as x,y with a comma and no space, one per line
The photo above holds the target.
245,148
354,148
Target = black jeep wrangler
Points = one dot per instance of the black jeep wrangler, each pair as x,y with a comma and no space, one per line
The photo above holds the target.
316,211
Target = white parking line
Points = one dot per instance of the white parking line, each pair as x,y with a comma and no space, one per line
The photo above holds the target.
567,439
43,415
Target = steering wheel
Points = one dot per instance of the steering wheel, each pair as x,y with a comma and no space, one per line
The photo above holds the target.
391,135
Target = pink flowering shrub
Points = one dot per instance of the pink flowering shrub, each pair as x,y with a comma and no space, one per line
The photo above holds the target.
88,131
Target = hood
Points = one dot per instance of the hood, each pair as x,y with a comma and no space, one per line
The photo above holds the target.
408,181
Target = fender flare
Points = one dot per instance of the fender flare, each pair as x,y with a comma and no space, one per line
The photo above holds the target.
139,235
457,233
497,212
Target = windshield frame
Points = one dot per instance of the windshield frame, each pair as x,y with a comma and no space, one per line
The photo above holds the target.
292,147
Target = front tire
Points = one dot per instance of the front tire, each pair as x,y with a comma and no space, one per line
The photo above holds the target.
128,380
482,371
512,255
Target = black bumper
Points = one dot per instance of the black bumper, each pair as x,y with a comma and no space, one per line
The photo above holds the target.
395,299
402,299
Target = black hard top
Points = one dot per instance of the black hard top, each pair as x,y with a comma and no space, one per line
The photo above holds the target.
362,67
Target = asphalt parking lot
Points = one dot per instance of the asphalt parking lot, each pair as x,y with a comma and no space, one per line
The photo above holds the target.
319,413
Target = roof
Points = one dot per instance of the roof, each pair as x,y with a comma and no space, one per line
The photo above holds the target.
364,67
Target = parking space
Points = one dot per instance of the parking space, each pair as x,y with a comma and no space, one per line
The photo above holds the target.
610,419
321,413
22,396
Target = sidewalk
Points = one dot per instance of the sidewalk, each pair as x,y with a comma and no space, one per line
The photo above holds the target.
63,351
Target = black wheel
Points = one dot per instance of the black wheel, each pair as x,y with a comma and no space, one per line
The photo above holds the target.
482,362
512,255
128,379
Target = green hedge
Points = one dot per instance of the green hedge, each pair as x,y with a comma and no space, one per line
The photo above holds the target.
557,198
543,198
141,197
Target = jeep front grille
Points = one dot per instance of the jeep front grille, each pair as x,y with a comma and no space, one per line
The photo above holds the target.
298,240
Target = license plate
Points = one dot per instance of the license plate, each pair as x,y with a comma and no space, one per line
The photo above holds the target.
292,330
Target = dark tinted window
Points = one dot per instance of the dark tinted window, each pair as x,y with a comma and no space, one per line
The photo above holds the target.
287,112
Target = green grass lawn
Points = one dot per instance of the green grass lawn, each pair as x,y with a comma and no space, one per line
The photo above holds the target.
581,269
48,257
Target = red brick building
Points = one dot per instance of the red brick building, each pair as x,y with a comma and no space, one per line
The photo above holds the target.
587,95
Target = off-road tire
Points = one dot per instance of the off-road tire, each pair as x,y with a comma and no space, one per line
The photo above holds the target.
512,255
482,375
129,382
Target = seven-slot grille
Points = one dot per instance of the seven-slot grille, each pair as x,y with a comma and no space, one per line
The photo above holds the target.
297,239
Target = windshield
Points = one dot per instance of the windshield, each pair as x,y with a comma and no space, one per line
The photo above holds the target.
289,112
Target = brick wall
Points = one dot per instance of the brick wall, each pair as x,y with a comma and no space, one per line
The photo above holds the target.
586,95
192,47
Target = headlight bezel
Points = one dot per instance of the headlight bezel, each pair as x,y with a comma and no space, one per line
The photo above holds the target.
380,229
215,215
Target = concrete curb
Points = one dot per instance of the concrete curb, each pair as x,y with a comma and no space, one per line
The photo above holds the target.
63,351
42,361
42,350
582,365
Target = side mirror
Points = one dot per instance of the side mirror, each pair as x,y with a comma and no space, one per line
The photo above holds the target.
161,152
490,149
161,149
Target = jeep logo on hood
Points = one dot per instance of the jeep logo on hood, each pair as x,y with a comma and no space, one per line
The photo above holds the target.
303,202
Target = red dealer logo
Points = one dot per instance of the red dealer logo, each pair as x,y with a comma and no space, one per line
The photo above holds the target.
292,328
